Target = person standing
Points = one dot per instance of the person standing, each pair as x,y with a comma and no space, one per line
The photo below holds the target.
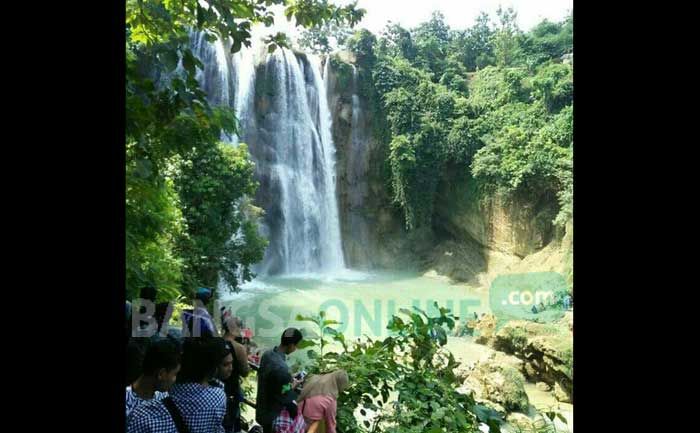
197,322
160,367
275,382
319,398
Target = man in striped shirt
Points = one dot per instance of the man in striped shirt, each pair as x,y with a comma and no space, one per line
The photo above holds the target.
158,372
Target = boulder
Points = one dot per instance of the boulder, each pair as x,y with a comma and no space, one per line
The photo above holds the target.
498,383
543,387
547,350
560,394
568,320
508,360
486,329
520,421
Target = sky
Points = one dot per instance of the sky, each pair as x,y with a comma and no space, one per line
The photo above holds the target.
459,14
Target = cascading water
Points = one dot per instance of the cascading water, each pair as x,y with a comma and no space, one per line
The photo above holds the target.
244,65
295,159
218,76
284,117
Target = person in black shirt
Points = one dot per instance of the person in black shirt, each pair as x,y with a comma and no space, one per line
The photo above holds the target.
275,382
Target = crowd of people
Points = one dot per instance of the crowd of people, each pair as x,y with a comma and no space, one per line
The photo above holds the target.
189,380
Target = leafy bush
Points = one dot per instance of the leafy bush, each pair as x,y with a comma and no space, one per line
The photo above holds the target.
404,383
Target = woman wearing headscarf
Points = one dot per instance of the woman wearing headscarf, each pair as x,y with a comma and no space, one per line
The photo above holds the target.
319,398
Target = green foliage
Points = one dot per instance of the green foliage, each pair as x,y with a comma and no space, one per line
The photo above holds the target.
311,13
406,381
432,44
179,305
474,47
419,116
514,160
509,127
464,140
362,44
519,160
393,72
549,40
154,223
322,39
396,42
343,73
506,39
420,121
211,182
454,76
319,341
493,87
560,129
554,86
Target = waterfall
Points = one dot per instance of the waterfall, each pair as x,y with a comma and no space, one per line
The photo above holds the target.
283,111
244,63
295,158
218,77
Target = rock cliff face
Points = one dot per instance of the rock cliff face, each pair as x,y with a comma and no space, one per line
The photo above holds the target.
372,228
515,227
475,236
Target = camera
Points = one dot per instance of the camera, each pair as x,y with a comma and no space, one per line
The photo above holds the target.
300,378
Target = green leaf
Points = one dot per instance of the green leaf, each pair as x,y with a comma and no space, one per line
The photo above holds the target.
421,311
236,47
200,16
331,322
303,344
395,324
486,414
148,85
242,10
562,418
312,354
442,336
189,62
